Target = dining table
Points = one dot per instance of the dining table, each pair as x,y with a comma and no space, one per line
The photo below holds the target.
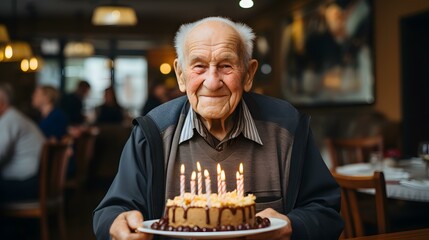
418,234
405,179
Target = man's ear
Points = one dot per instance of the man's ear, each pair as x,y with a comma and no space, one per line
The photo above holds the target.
179,75
248,81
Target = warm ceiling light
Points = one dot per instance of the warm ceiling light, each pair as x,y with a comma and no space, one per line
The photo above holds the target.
114,15
4,36
165,68
25,65
15,51
78,49
246,3
32,64
8,52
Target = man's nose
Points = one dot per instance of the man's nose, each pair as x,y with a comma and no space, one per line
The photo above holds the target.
213,79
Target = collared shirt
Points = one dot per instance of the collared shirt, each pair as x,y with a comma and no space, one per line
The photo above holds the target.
244,124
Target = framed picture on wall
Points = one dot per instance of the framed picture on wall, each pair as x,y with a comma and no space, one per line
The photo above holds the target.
327,54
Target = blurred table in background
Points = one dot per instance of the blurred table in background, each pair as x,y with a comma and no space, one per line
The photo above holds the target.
407,192
420,234
405,179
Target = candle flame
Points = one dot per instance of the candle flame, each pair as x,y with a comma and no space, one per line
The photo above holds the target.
193,175
198,167
206,173
241,168
182,169
222,175
237,175
218,168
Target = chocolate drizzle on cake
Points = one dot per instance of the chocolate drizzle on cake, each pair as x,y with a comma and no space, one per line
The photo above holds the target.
217,213
207,210
207,215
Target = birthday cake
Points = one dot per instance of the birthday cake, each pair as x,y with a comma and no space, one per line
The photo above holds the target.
222,211
197,213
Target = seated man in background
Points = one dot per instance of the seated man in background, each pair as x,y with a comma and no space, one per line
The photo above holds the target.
21,143
220,121
53,121
72,104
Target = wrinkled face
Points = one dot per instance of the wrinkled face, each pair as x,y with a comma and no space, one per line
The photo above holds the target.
213,75
38,98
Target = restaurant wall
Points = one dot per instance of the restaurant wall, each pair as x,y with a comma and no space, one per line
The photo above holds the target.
387,52
338,120
387,15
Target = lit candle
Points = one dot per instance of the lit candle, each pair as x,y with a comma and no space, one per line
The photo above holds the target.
182,180
241,180
223,178
219,181
200,179
208,182
193,176
208,186
237,177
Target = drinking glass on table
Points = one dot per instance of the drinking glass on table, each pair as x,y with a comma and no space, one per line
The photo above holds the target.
376,160
424,155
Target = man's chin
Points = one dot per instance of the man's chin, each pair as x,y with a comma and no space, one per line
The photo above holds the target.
213,114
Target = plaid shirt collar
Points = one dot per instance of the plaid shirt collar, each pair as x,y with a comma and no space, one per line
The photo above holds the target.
245,125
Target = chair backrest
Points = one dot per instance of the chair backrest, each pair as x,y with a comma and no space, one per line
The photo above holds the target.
84,152
353,150
350,210
53,169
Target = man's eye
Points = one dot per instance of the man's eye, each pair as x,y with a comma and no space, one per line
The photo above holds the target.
225,68
199,66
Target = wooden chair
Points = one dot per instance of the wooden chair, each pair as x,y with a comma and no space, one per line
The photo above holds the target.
353,150
52,173
84,150
350,210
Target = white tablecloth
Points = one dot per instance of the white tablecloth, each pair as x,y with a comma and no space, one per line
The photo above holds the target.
404,170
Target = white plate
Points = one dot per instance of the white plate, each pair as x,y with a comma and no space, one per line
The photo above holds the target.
275,224
366,169
359,169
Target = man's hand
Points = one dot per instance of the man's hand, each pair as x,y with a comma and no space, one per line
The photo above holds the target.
280,234
125,225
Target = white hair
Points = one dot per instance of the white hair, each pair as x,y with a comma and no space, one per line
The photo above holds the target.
245,32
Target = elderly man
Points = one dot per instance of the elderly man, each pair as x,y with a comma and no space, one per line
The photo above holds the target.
21,143
217,122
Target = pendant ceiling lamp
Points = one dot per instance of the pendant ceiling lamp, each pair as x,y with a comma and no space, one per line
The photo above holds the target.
15,51
78,49
114,15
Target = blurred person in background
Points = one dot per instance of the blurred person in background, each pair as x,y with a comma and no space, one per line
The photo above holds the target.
158,94
21,142
72,104
53,121
109,111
